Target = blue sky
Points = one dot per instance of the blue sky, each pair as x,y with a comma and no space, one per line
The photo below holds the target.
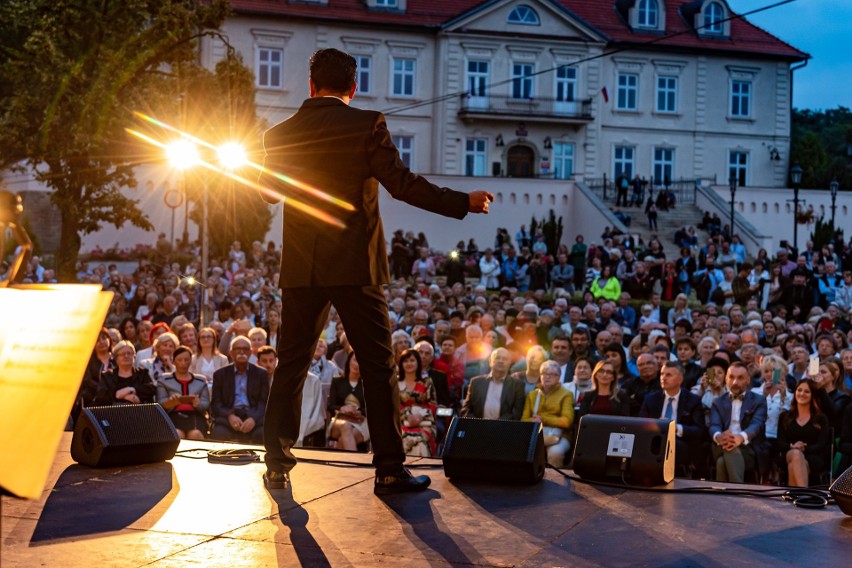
820,28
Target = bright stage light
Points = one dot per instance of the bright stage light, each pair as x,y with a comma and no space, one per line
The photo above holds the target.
182,154
454,254
232,156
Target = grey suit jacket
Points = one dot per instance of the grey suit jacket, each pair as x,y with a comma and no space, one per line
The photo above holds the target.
511,401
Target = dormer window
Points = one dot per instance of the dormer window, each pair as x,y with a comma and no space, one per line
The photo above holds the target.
524,15
714,13
647,14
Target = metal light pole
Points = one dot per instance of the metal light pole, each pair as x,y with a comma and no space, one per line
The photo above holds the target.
732,183
204,258
833,186
796,179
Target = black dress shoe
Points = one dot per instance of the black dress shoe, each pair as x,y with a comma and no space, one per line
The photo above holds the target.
402,482
276,479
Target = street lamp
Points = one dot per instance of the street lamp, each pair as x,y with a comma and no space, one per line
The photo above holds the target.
732,183
833,186
796,179
183,154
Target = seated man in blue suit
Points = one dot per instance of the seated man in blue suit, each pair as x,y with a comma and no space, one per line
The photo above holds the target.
676,403
240,391
737,420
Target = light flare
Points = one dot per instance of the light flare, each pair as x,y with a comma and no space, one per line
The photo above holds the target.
289,201
317,193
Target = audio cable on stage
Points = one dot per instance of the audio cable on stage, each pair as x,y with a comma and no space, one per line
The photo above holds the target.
805,497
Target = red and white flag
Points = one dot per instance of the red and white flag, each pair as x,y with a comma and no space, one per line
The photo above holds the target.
605,93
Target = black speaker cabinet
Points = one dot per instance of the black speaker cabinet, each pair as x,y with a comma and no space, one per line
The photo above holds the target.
640,451
501,451
108,436
841,490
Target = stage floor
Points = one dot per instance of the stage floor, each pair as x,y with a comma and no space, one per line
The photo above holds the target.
189,512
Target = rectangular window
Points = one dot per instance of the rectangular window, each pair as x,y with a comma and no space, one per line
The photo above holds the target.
365,70
623,161
741,99
522,81
663,166
405,145
566,83
666,94
738,167
403,77
628,92
563,160
477,78
270,68
474,156
387,3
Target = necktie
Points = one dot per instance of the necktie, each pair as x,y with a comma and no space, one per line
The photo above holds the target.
668,412
737,397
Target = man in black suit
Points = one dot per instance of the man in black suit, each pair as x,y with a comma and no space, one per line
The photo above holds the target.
240,391
678,404
495,396
327,160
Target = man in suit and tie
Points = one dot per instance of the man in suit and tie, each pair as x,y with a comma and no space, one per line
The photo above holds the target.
326,161
737,419
678,404
495,396
240,391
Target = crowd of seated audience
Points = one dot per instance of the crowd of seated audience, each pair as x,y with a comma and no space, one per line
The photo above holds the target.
719,341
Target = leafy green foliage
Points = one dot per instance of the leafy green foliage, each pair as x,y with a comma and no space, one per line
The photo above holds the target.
820,146
72,72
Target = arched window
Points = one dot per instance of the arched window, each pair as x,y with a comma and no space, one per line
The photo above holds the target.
714,13
524,15
647,14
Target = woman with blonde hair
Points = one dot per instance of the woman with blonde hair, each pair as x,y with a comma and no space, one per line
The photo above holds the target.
551,405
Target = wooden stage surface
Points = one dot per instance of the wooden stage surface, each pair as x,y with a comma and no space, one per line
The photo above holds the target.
193,513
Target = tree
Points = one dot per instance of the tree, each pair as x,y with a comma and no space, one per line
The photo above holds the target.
72,72
820,142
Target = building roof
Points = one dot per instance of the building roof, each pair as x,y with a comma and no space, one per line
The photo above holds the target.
602,15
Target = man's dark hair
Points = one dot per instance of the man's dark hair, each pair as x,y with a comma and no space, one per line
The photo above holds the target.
673,365
266,349
333,70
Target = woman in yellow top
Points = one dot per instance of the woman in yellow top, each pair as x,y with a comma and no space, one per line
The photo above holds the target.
606,285
553,406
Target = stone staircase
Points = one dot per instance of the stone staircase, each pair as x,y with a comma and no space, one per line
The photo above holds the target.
683,215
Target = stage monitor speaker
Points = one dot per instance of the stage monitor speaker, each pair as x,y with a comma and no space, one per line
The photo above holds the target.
841,490
503,451
638,451
108,436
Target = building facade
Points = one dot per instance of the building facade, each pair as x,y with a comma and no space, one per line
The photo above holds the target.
577,89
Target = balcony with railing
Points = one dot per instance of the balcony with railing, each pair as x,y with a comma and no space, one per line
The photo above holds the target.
533,109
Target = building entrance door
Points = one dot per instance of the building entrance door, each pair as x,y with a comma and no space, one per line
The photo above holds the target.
520,161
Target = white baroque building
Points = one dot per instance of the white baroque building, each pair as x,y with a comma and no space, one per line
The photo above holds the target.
570,89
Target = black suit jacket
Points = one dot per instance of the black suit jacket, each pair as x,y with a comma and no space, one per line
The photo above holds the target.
343,152
224,391
511,401
690,413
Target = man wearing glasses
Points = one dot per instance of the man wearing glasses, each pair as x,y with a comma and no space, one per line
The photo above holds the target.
240,391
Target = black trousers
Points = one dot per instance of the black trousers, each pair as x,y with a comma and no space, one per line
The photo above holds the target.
364,314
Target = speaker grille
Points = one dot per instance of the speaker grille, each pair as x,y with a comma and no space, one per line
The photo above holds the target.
841,490
127,425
